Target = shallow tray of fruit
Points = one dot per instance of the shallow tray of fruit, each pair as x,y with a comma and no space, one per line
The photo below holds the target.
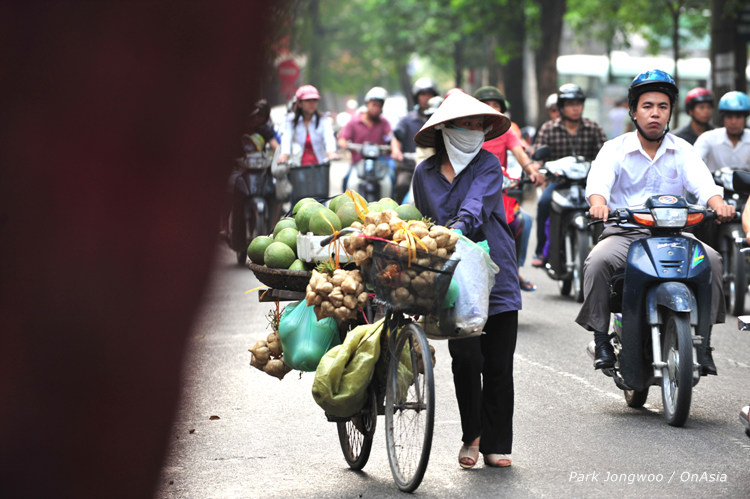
292,280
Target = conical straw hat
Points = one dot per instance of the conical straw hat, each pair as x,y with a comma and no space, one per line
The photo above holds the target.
459,104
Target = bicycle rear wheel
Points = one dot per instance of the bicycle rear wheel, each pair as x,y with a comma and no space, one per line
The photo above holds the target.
409,407
356,434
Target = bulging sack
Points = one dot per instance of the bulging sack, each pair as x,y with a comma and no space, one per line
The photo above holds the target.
343,374
475,277
304,338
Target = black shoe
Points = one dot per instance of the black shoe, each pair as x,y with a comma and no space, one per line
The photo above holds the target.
604,357
707,364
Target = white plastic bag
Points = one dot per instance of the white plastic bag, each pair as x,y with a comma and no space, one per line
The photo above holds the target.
475,277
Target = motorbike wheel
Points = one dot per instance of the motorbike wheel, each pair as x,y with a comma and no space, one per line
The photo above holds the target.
677,354
582,251
566,284
636,398
737,285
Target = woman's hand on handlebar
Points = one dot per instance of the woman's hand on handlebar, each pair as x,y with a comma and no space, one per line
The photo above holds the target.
332,156
283,158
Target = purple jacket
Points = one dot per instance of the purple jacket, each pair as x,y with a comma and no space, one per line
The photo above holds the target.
476,197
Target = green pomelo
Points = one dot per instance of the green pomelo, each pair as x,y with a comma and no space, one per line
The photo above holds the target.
288,236
283,224
257,247
347,213
338,201
302,218
408,212
324,222
298,265
375,206
299,204
388,203
278,255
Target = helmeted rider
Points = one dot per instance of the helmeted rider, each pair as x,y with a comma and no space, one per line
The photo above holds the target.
422,91
728,146
699,104
628,170
569,135
368,126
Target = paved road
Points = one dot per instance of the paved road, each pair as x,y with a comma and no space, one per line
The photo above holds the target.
574,435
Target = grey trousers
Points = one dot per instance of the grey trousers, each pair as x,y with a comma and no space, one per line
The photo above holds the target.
610,254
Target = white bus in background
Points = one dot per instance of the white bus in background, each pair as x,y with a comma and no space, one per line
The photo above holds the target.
590,72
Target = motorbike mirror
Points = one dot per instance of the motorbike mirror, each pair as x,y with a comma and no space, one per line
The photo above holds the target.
741,181
541,154
743,322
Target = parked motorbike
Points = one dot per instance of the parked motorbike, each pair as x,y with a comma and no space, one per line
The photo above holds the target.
254,197
661,302
371,176
569,237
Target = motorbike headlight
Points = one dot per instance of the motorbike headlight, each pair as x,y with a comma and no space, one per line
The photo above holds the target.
370,151
578,170
670,217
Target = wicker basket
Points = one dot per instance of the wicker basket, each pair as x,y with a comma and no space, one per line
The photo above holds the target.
394,276
292,280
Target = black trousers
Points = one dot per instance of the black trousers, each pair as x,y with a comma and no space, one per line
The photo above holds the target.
483,377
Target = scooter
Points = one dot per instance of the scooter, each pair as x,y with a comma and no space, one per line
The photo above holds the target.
743,324
254,197
661,302
726,237
741,184
570,238
371,176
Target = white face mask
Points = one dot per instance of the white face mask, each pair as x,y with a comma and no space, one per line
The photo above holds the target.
462,146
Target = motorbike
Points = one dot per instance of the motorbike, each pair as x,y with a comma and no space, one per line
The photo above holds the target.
253,201
724,237
570,237
743,324
371,176
741,184
661,303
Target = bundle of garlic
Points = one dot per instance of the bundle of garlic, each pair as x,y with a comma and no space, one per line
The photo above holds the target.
420,361
339,295
414,234
268,357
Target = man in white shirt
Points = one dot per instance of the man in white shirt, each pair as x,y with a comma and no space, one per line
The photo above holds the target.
729,145
628,170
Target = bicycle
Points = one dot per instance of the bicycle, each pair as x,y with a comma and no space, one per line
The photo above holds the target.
405,395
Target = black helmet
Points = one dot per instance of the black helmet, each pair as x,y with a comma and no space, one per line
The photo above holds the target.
491,93
569,91
653,80
423,85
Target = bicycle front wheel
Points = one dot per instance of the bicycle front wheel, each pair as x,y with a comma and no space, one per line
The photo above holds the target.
409,407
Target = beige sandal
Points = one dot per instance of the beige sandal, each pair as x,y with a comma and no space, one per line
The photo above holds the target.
468,456
497,460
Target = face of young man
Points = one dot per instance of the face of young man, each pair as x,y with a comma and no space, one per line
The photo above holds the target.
652,113
375,109
573,109
735,123
702,112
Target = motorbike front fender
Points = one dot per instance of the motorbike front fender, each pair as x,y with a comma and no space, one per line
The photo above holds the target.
676,296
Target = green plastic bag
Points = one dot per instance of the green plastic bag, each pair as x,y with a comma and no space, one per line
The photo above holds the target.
304,338
343,374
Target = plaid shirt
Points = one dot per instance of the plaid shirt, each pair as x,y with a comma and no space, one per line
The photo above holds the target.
587,141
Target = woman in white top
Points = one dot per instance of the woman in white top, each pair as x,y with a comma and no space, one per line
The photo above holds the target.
311,132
